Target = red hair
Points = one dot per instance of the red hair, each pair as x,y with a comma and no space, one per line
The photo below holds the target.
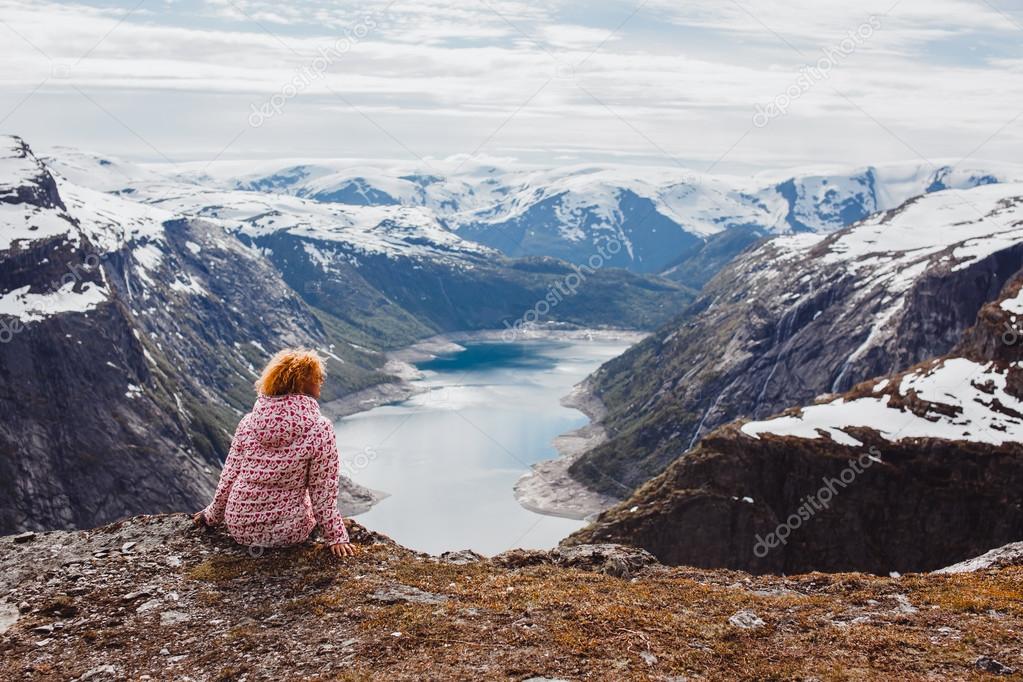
293,370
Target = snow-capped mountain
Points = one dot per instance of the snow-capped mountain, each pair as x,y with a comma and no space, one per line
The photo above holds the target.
899,473
806,314
827,199
392,228
392,231
683,224
653,220
392,272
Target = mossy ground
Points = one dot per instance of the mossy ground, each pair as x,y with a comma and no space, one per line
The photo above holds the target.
299,614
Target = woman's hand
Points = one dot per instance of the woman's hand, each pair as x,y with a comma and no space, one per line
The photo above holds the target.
342,549
200,520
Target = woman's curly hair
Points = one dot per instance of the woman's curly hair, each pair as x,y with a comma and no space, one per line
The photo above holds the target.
293,370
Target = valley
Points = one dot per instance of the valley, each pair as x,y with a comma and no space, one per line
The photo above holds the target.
479,415
806,315
766,293
916,464
537,342
123,383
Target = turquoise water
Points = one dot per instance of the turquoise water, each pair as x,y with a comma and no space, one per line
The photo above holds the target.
450,456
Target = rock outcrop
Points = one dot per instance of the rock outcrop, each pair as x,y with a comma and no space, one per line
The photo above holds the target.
155,598
1000,557
907,472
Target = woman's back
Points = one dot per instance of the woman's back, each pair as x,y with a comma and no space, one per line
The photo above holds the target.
277,439
281,476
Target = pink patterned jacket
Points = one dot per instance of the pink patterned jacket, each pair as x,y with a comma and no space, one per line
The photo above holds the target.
281,476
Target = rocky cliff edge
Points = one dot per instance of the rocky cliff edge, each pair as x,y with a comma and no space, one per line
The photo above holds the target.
152,598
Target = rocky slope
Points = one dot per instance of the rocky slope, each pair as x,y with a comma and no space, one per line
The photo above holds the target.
910,471
804,315
154,598
130,338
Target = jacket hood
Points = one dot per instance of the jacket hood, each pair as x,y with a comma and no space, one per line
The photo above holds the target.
282,420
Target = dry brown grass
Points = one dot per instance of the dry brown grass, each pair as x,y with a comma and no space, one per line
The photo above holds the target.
595,622
298,613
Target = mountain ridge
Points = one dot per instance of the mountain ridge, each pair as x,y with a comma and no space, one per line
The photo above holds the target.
804,315
904,472
655,218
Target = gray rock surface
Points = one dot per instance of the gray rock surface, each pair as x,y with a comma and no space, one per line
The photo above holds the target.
746,620
1000,557
189,603
397,594
620,561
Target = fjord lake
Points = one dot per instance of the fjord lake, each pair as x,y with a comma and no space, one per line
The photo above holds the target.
449,456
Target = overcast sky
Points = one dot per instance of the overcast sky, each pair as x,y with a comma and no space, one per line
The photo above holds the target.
666,82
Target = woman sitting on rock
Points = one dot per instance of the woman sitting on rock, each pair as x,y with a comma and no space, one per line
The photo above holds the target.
281,476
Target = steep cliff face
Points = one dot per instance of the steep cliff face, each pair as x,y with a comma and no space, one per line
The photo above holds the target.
152,596
911,471
129,340
804,315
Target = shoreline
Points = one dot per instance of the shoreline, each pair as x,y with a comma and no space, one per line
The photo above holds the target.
546,488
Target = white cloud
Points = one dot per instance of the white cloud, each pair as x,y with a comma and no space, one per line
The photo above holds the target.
439,77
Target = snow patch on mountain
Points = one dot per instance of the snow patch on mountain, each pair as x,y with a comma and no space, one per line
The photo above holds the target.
33,307
22,178
965,400
923,227
109,221
891,251
393,231
97,171
189,287
16,166
1014,305
27,223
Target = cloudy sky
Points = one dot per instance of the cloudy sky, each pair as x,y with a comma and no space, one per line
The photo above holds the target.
733,85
